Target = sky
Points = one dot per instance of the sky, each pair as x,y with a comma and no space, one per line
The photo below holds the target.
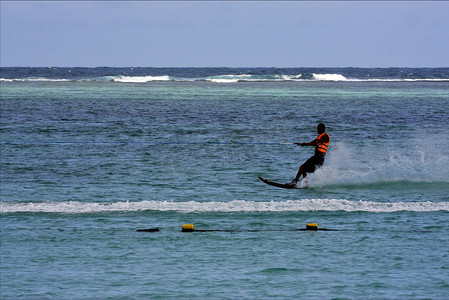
224,33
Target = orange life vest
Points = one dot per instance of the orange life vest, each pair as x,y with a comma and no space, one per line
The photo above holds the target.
322,146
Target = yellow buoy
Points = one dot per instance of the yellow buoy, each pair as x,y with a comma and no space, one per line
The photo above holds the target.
312,226
187,228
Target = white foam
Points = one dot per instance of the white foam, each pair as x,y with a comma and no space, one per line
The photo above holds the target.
398,80
229,78
140,79
222,80
252,78
36,79
294,77
284,77
329,77
217,206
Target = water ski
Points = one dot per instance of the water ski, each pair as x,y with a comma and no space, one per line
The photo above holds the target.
280,185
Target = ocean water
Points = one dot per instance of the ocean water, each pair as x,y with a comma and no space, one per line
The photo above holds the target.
91,155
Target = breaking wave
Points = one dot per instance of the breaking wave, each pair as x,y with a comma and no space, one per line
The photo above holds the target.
34,79
140,79
75,207
231,78
329,77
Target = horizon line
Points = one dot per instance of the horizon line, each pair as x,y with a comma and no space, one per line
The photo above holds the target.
227,67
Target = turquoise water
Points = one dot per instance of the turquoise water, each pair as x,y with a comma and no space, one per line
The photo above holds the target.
86,161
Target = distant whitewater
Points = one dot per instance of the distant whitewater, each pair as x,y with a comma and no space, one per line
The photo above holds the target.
224,75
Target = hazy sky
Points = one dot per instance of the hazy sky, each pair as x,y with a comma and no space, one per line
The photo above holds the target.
225,34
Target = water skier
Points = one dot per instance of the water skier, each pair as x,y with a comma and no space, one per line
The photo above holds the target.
320,143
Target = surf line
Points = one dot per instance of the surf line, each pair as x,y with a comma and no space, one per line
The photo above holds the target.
191,228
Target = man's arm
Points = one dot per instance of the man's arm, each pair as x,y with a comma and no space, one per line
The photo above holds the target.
312,143
315,142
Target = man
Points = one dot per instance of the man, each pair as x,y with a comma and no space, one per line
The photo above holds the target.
320,143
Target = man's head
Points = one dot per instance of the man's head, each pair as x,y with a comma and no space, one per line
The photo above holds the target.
321,128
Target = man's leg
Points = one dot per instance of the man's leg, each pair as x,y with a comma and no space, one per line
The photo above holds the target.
300,172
